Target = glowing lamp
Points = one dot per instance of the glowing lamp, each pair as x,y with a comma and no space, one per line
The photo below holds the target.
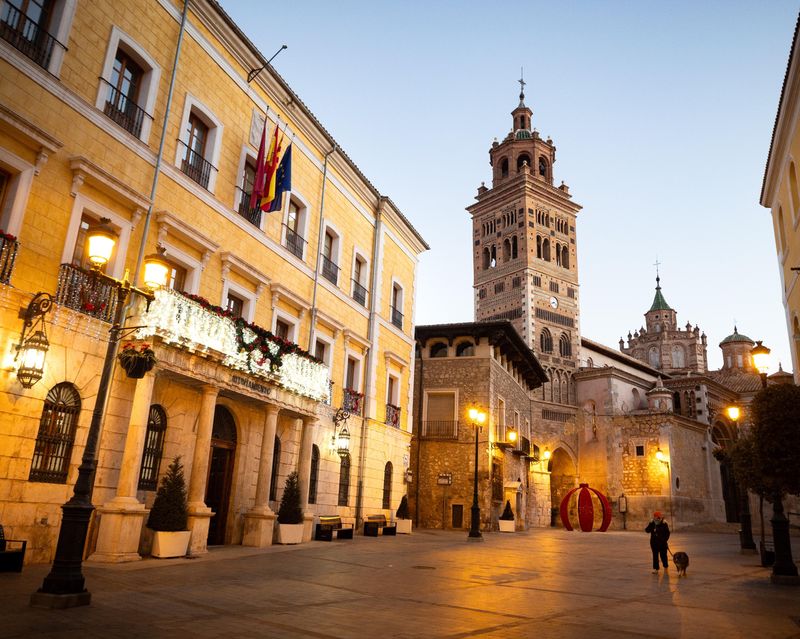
343,442
477,415
760,355
156,270
100,241
733,413
512,436
33,352
546,454
660,456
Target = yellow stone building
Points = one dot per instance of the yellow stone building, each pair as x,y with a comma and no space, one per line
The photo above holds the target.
85,91
781,194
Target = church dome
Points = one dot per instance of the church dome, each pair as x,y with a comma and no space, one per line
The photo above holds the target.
523,134
736,336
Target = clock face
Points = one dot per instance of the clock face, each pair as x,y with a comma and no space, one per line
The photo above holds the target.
553,302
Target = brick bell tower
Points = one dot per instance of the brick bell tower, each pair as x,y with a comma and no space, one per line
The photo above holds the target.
525,265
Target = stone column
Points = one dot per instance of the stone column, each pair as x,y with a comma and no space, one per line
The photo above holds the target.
122,518
308,426
200,514
259,522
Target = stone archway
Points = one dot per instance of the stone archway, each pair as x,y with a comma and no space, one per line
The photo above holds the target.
724,437
563,478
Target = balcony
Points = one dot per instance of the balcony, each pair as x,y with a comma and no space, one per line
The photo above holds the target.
82,291
196,166
392,415
295,244
397,318
353,402
440,429
523,447
330,271
8,254
251,214
124,111
27,36
359,294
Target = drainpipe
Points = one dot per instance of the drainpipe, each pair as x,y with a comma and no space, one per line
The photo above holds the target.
160,156
369,387
319,245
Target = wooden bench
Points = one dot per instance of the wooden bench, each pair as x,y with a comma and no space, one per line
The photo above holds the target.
329,524
11,559
375,523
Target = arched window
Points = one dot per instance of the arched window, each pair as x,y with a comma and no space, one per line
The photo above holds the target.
493,260
57,426
546,341
678,357
153,448
794,192
344,481
781,230
589,363
637,399
506,250
676,403
523,159
565,256
486,258
564,346
276,462
465,349
313,477
546,250
558,254
557,387
543,166
564,389
539,246
654,357
439,350
387,485
504,167
514,252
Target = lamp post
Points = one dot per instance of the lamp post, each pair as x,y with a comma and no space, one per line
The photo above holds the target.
746,543
478,417
660,456
760,355
64,586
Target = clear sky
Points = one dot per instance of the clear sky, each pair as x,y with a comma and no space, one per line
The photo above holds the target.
661,114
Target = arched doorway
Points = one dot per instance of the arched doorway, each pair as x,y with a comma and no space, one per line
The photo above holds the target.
563,478
722,435
220,473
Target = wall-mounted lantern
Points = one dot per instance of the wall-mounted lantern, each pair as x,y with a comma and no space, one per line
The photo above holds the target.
33,344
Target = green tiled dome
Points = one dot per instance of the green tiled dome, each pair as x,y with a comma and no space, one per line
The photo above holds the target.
736,336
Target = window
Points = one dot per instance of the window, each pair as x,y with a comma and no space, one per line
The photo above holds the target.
282,329
482,294
37,29
51,455
199,146
516,282
153,448
543,167
235,305
504,167
314,475
397,305
522,160
501,420
546,341
440,410
330,256
499,287
639,450
352,377
294,228
176,277
654,357
546,250
439,350
678,357
465,349
344,481
387,485
564,346
251,213
554,287
360,280
537,281
392,396
320,349
794,192
80,257
276,462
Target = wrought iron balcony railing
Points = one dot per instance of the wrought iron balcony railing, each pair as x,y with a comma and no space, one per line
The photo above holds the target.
330,270
397,318
124,111
353,402
393,415
27,36
82,291
440,429
8,254
359,293
196,166
251,214
294,242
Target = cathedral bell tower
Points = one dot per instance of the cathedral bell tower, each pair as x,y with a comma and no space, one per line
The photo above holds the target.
525,263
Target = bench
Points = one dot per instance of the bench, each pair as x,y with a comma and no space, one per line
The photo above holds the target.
329,524
11,559
375,523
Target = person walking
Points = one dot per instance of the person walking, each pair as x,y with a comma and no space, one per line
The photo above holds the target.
659,535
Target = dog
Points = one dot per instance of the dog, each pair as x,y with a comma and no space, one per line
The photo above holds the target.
681,561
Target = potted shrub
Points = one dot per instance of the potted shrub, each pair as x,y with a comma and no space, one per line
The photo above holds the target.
169,514
403,519
137,361
507,519
290,515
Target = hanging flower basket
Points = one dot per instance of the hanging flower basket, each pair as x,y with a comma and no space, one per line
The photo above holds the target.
136,361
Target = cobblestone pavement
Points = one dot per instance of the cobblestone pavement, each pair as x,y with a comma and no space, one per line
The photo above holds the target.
545,583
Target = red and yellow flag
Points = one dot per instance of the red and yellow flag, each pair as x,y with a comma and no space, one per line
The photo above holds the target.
268,194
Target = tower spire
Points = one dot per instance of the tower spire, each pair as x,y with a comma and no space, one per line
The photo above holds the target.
522,84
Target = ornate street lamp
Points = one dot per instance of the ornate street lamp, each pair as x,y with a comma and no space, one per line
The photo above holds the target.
760,355
477,417
64,586
340,441
33,344
746,543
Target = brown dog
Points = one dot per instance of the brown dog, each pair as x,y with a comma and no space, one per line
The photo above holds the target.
681,561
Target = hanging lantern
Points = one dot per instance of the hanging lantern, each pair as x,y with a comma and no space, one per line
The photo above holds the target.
100,241
585,509
343,442
33,353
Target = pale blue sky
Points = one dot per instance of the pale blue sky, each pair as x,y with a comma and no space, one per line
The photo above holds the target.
661,113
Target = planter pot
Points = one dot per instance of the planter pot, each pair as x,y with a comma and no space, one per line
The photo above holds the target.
290,533
170,544
136,367
506,525
403,526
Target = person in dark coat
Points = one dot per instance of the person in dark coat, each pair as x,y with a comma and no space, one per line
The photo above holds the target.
659,535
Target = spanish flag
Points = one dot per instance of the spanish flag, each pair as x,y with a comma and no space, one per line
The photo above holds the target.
283,179
268,194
